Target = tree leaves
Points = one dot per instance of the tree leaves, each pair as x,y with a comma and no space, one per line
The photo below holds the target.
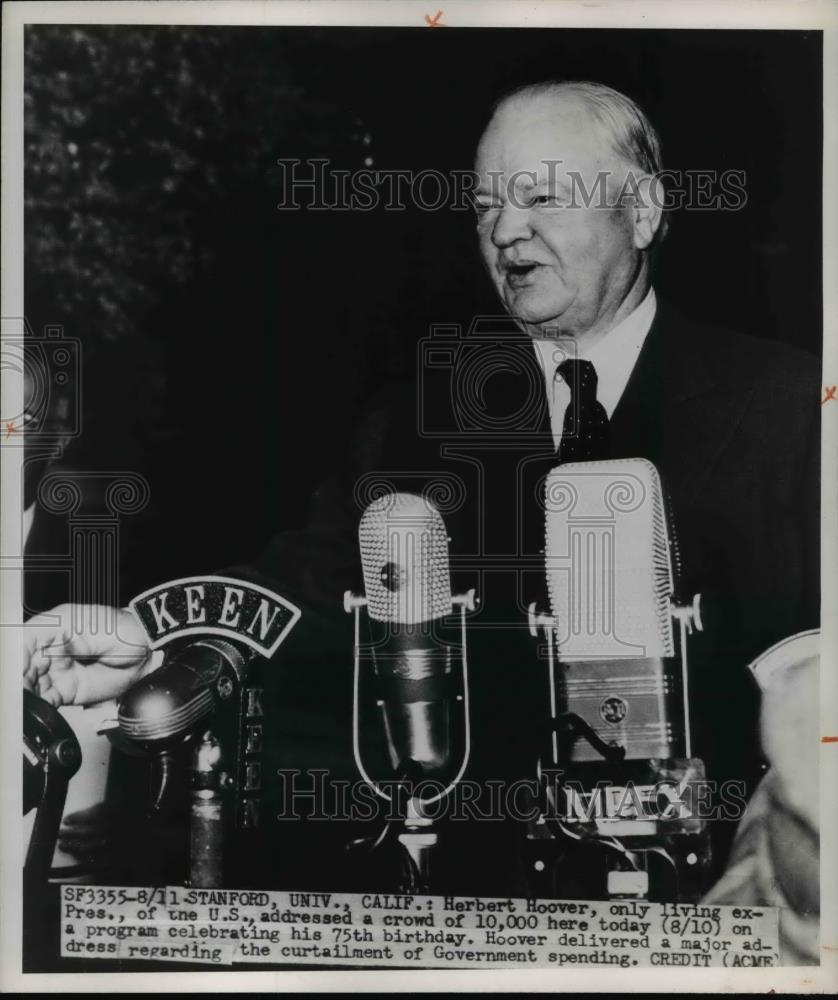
140,141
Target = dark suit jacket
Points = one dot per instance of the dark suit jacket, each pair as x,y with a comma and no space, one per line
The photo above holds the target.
731,422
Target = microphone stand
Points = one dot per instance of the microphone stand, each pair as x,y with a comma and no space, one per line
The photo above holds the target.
416,840
628,873
193,718
417,837
419,841
209,818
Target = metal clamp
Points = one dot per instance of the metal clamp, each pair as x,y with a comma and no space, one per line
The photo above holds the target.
467,601
537,620
689,615
352,602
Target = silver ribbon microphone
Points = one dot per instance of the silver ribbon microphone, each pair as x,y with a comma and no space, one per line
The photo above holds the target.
610,631
420,680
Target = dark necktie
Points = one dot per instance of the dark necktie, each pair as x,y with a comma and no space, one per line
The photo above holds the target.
585,429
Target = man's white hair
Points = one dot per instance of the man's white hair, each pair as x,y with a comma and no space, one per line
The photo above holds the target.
632,136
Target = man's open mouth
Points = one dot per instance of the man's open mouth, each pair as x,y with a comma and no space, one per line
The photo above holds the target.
518,274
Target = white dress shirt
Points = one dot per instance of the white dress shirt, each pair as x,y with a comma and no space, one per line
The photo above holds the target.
613,357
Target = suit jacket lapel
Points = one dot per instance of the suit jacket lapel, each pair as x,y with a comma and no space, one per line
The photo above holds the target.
637,423
676,410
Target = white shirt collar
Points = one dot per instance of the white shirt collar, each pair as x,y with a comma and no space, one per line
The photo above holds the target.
613,356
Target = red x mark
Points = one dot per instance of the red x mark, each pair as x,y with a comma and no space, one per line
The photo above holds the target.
11,429
433,22
830,393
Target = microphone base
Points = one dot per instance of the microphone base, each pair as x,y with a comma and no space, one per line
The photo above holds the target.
403,852
670,870
634,829
418,848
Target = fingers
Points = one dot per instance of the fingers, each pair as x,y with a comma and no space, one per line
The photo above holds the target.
47,627
42,661
81,654
95,631
46,646
129,645
39,633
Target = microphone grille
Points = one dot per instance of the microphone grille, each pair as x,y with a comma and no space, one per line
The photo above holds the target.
609,573
404,557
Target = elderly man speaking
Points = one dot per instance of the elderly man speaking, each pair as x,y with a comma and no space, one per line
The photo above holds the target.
588,365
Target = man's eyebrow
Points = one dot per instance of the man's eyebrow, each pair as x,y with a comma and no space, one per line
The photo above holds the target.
552,182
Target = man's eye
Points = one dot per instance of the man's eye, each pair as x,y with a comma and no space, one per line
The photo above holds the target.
483,208
548,200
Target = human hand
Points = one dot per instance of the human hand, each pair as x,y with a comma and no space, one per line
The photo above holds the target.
82,654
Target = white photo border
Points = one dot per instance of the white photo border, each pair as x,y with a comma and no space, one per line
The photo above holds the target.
696,14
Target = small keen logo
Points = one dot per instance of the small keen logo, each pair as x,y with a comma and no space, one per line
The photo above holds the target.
613,710
215,605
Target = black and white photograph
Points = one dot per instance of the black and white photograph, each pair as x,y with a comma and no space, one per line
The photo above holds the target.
419,496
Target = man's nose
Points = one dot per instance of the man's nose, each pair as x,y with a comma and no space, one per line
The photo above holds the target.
512,223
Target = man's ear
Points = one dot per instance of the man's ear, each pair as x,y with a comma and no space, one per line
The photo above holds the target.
646,211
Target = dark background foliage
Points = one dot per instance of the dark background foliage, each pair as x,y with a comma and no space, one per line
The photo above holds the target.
227,345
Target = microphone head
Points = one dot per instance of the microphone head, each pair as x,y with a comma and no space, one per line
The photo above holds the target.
161,707
404,556
608,566
168,705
